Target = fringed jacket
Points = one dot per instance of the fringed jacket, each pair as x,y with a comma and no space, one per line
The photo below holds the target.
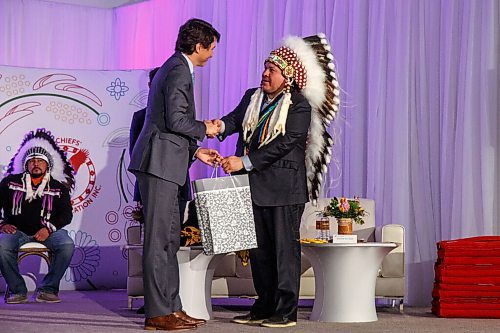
52,210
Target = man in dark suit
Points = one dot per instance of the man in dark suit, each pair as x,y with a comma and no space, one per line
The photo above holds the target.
279,144
277,174
165,149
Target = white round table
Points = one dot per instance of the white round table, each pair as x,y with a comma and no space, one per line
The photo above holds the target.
345,277
196,271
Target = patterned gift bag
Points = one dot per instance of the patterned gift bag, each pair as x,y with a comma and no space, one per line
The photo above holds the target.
225,215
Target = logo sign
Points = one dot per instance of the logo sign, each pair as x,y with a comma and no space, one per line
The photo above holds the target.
86,188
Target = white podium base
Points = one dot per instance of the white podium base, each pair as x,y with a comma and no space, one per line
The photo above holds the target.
196,271
345,277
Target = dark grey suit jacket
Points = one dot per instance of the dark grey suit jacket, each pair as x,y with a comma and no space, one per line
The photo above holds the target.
167,142
135,130
279,174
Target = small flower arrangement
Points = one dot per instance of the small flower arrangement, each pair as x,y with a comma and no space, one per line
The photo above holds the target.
345,208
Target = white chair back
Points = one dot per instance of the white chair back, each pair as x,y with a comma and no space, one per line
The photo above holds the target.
394,263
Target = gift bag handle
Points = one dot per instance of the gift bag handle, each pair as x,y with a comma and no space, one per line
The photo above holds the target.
214,171
215,174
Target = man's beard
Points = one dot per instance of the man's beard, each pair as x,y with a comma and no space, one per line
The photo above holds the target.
37,173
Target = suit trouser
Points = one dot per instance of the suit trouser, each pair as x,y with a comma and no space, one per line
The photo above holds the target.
276,262
161,243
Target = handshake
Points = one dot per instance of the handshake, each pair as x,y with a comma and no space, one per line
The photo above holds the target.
214,127
211,156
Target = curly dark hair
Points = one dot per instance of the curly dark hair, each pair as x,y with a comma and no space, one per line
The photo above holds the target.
195,31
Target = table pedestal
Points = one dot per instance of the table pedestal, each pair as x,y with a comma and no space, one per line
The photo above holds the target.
196,271
345,277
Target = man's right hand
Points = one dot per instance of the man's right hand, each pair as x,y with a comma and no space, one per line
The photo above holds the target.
213,127
8,229
208,156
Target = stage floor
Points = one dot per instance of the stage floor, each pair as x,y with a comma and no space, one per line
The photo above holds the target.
106,311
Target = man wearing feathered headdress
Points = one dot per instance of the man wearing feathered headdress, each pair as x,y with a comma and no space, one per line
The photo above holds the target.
35,205
285,148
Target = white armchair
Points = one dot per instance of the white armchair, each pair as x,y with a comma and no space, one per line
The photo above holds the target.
135,287
391,277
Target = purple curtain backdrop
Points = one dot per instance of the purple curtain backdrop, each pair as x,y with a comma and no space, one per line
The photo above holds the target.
418,126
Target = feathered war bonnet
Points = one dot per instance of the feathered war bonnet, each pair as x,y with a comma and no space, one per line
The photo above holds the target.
308,62
41,144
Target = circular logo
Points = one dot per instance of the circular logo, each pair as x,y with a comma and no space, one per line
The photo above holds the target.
85,173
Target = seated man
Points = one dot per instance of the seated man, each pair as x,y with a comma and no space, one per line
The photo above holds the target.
35,201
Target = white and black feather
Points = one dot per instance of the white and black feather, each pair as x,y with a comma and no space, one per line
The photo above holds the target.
60,168
323,94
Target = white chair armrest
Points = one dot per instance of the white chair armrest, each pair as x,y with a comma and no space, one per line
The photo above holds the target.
394,263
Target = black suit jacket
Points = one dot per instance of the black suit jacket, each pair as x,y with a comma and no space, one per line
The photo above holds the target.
279,174
136,127
167,142
135,130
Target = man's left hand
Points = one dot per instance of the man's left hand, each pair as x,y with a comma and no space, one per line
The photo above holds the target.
42,234
208,156
232,164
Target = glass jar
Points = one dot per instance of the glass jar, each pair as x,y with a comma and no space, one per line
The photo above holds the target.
323,227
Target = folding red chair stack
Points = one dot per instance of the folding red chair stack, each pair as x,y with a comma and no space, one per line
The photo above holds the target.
467,278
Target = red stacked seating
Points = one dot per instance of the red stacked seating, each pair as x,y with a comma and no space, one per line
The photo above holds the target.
467,278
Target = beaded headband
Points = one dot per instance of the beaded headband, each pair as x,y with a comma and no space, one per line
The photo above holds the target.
40,153
291,67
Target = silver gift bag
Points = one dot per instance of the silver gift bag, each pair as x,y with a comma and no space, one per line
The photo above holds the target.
225,215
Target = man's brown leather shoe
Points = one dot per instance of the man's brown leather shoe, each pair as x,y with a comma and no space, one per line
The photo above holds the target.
188,319
167,323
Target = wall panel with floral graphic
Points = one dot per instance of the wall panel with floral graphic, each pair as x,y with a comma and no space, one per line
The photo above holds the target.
89,114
